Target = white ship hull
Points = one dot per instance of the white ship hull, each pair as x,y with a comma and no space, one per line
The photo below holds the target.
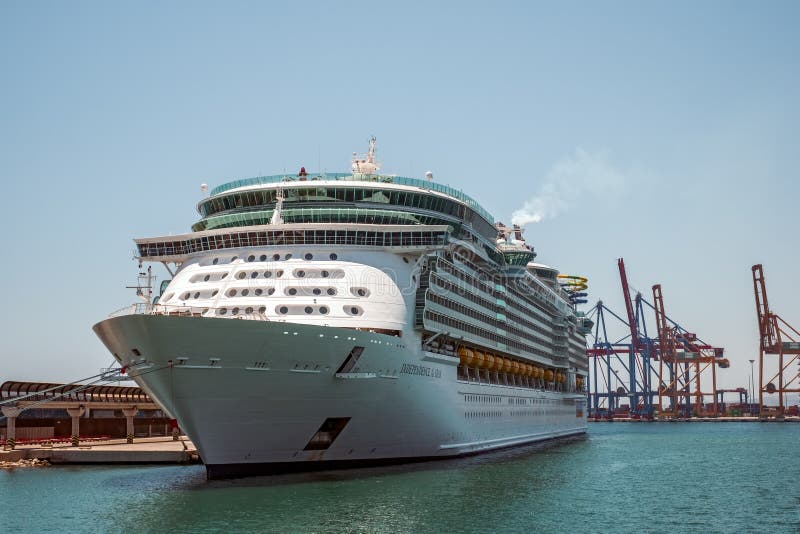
252,394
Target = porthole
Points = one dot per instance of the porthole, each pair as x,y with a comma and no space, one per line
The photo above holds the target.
262,309
251,258
197,295
267,274
233,259
241,275
323,310
309,309
333,256
325,274
331,291
317,291
283,310
354,310
232,293
278,274
248,310
263,257
259,291
288,257
292,291
222,311
186,296
245,292
361,292
270,291
216,261
276,257
300,274
253,274
224,275
235,311
207,278
214,294
309,256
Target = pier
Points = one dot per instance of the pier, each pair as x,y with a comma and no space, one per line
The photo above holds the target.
159,450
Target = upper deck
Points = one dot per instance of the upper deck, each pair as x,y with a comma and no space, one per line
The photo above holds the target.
287,180
346,199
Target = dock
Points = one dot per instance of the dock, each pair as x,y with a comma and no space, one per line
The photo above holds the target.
160,450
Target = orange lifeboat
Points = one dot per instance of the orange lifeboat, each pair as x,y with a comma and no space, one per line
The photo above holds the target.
548,375
480,360
466,356
506,367
489,361
499,364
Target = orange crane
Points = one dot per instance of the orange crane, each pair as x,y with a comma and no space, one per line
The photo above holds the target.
683,360
777,338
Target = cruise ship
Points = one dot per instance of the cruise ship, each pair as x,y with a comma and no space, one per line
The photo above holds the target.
334,320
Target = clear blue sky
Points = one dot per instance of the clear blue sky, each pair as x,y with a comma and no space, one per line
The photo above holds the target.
665,133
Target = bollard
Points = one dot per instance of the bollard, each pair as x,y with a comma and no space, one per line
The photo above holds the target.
10,443
75,441
129,438
175,434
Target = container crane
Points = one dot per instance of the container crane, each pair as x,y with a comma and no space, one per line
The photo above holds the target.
776,338
683,360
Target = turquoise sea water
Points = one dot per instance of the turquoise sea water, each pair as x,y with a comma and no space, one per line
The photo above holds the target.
625,477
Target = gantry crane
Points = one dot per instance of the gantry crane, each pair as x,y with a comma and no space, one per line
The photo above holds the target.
777,338
683,359
622,369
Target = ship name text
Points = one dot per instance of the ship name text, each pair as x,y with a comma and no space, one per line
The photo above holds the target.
413,369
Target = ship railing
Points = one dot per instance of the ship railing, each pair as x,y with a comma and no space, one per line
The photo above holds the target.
144,308
400,239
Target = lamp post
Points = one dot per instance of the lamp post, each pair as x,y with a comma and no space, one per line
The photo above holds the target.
752,388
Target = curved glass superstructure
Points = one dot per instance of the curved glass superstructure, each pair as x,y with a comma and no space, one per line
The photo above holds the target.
344,199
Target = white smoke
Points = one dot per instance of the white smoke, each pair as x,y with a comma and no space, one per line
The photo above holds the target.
584,175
